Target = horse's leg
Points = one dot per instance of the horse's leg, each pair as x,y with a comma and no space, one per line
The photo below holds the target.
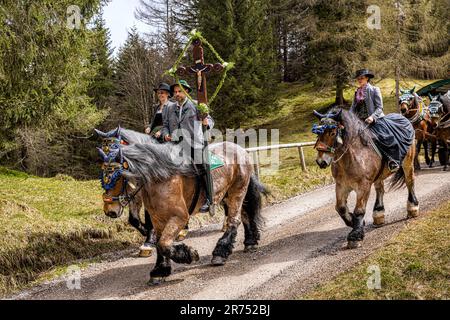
179,253
225,222
416,158
145,229
408,169
378,209
342,193
161,270
357,234
445,143
433,152
225,245
135,220
151,235
183,233
427,156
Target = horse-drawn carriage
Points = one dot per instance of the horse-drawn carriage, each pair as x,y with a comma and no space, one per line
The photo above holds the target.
432,122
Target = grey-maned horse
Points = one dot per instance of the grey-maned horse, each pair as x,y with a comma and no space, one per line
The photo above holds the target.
168,189
346,145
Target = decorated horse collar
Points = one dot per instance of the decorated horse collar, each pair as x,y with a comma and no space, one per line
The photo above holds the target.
419,115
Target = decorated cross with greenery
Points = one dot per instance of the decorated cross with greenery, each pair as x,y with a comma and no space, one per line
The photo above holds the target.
200,70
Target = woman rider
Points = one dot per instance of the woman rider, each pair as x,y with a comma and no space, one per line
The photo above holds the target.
154,129
394,133
164,93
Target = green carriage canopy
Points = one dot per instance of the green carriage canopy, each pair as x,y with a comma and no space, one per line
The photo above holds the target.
441,86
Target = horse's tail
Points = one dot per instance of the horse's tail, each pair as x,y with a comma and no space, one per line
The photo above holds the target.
398,180
253,204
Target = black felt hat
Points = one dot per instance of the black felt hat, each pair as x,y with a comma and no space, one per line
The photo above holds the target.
364,72
164,86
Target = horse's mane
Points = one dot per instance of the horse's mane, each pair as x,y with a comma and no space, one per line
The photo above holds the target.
445,100
353,126
131,137
151,161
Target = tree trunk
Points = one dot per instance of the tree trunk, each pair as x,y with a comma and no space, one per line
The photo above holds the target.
285,54
339,93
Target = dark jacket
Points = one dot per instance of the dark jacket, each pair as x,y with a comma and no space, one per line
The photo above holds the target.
155,111
189,121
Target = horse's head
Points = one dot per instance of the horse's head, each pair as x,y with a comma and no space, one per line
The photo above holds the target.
407,100
436,109
329,133
113,182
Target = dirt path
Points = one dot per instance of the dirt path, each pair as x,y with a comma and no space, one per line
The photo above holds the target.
300,248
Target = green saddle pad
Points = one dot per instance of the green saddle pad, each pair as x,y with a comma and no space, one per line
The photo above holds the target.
215,161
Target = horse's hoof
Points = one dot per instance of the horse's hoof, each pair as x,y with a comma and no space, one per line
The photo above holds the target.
413,214
155,281
195,256
225,226
251,248
353,244
146,251
182,235
218,261
413,211
378,218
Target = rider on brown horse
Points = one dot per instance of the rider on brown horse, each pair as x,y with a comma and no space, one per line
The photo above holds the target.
182,124
392,132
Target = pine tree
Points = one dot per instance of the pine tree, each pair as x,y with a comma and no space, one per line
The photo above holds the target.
160,15
339,43
101,87
139,69
45,72
240,32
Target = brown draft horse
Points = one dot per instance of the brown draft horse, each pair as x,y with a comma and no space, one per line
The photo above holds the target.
167,182
345,143
440,116
413,108
110,143
442,133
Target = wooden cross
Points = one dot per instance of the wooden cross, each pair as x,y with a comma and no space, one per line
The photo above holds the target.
199,70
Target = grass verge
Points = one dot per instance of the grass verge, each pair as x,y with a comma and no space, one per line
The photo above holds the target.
47,223
415,264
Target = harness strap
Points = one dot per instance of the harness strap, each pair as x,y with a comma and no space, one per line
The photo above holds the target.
320,146
374,146
125,200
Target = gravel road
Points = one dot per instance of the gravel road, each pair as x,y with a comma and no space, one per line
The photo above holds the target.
301,246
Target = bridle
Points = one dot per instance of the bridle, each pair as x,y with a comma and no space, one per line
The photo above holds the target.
420,110
112,171
329,124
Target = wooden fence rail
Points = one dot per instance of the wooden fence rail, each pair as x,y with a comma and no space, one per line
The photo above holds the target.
254,151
